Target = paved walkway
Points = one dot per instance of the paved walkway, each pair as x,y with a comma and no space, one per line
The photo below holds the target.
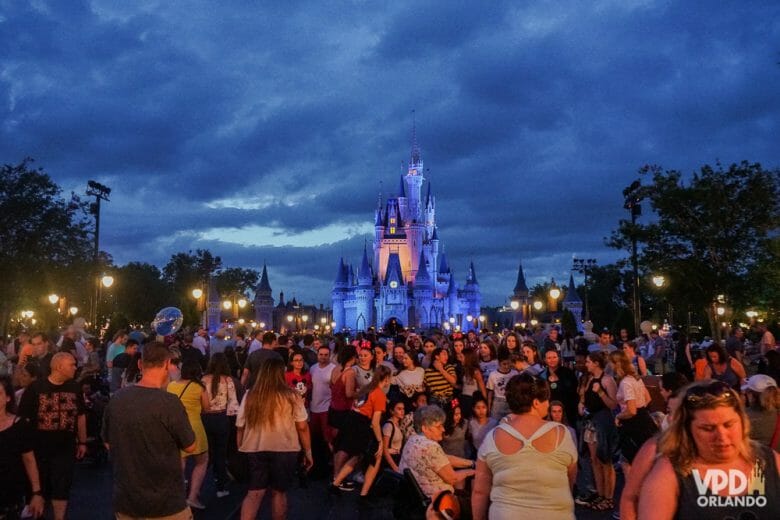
91,500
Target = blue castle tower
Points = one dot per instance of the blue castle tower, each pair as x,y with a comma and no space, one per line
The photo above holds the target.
407,280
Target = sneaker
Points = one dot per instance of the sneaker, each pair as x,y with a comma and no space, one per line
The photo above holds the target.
347,485
616,514
195,504
223,493
586,499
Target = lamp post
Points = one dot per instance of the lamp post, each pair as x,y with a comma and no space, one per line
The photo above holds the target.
584,266
660,281
101,193
633,197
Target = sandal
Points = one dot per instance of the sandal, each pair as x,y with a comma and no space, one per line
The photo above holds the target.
603,504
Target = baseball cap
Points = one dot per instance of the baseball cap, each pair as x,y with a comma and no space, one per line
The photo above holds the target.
759,382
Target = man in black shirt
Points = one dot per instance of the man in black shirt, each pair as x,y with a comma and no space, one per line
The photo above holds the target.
55,410
257,357
144,427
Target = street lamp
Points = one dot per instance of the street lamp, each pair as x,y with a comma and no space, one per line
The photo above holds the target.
720,310
659,280
107,281
242,302
514,304
227,304
289,318
555,293
197,293
53,298
73,310
538,305
633,197
751,314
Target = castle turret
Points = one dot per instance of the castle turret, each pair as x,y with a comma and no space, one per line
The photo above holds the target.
364,295
471,300
520,294
264,301
573,303
339,294
423,294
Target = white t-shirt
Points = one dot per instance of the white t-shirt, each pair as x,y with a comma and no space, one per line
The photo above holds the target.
629,389
255,345
497,382
200,343
320,392
281,436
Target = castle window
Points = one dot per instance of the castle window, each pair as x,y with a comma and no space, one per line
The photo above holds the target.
392,221
392,230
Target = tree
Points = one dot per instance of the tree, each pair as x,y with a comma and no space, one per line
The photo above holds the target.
141,292
186,271
45,242
237,280
710,233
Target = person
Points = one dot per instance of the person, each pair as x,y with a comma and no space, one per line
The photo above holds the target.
487,358
672,387
707,465
767,341
192,393
393,436
364,368
735,344
480,423
272,431
531,353
598,396
26,375
54,408
558,414
256,358
640,365
456,428
440,378
17,460
361,435
116,347
496,385
222,404
504,488
604,344
343,388
721,367
473,384
410,379
683,360
298,377
762,405
201,341
562,381
92,366
219,343
634,422
321,433
145,428
120,363
257,341
434,470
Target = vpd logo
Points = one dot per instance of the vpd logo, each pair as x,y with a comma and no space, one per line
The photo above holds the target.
741,490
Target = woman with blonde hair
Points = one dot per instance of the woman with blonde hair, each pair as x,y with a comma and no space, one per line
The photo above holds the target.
708,467
634,422
272,430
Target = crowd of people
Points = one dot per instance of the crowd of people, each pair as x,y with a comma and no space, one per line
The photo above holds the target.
488,425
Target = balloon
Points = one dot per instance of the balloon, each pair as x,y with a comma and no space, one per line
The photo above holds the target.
167,321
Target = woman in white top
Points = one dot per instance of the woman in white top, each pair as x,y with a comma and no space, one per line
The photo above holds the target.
223,403
635,425
410,380
504,488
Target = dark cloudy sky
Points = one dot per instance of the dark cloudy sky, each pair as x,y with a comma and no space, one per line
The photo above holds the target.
262,130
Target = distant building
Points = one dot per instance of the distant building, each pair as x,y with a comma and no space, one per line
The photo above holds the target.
406,280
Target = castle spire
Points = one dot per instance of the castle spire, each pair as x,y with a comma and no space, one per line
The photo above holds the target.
520,286
416,156
571,293
364,274
264,285
422,278
402,188
472,277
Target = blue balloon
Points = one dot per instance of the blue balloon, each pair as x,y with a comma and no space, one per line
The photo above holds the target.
167,321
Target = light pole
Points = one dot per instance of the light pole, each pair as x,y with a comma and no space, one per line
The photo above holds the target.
554,294
100,192
660,281
633,197
584,266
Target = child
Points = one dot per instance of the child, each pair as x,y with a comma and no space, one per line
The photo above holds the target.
496,385
393,435
480,423
407,423
455,430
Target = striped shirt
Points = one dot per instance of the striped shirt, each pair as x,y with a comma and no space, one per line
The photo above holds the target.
437,385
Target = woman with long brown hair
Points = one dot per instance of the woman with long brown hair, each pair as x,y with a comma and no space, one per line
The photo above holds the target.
362,433
221,393
272,430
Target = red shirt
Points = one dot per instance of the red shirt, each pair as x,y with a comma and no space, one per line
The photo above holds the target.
374,402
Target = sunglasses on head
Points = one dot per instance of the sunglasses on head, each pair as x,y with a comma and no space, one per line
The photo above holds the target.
708,394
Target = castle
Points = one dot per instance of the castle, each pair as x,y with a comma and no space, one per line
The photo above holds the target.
406,281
